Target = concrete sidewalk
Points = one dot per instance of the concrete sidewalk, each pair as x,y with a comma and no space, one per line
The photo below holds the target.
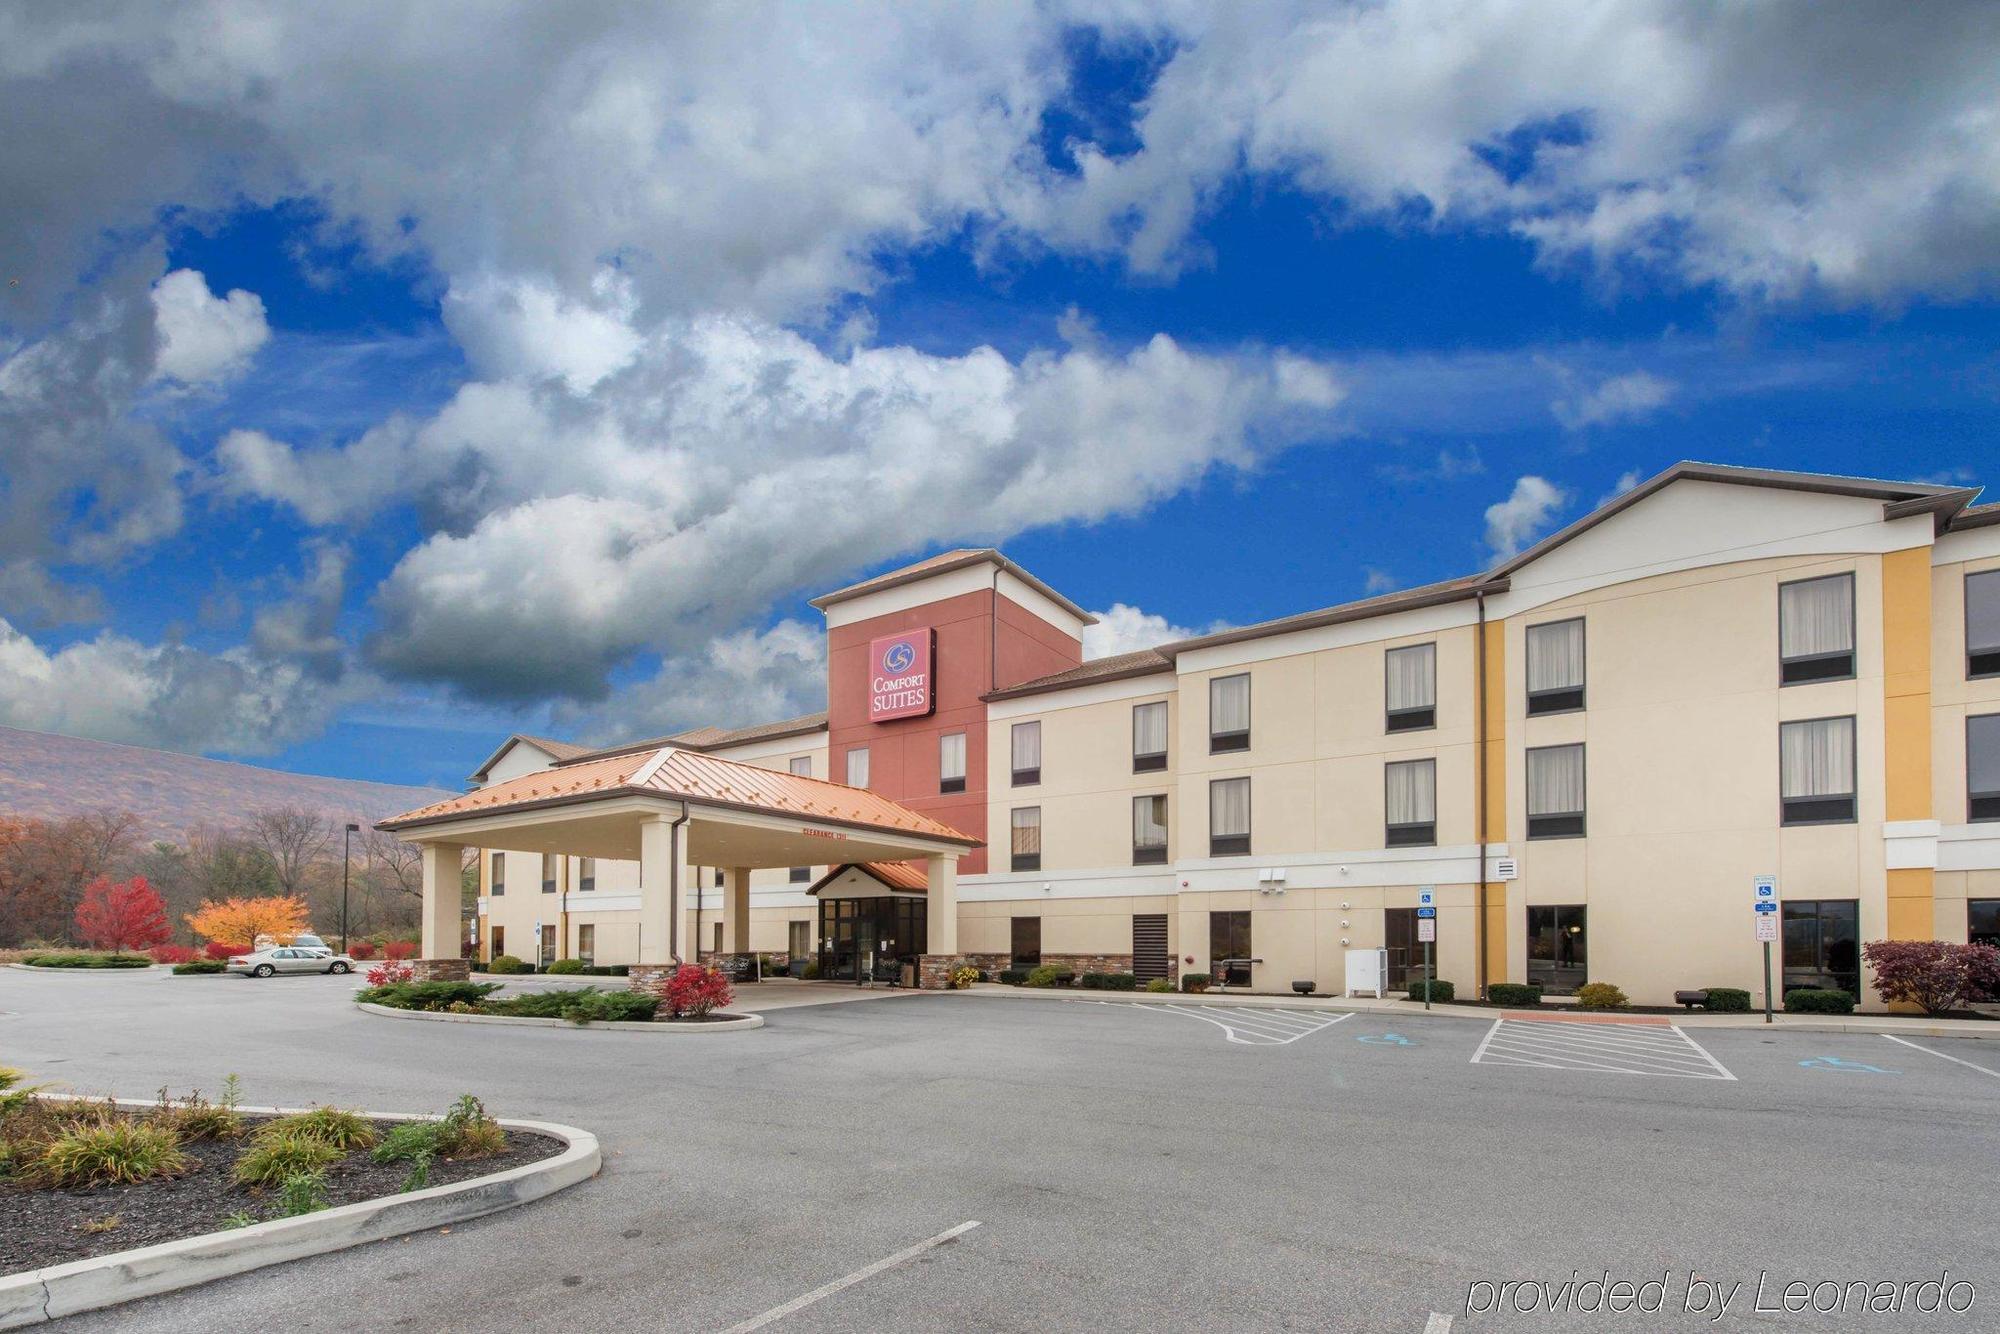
1893,1024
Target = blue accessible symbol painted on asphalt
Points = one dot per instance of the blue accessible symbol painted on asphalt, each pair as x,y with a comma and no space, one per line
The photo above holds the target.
1386,1039
1836,1063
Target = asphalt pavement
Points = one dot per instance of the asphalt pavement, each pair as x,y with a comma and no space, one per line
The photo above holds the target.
1128,1167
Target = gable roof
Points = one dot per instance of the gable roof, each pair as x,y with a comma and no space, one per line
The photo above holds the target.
711,738
943,563
896,877
691,776
555,750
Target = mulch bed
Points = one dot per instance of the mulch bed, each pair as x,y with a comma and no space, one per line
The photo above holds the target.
46,1227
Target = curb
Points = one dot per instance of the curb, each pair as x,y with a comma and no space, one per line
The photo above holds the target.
88,972
734,1024
37,1295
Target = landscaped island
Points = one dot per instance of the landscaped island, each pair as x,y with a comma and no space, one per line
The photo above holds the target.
690,994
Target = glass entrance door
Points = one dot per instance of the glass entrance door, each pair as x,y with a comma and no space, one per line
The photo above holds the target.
1823,945
1558,948
864,940
1406,952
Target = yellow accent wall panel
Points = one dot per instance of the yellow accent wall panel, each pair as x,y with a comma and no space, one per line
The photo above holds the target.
1906,728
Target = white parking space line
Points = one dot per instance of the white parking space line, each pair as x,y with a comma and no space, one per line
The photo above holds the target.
1253,1027
1437,1324
1621,1049
798,1304
1942,1057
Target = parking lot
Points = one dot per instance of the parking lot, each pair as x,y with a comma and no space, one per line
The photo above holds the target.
1128,1166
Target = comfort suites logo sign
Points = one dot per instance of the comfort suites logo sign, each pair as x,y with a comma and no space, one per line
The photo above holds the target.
899,676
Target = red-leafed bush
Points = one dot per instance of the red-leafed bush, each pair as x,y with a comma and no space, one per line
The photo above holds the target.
693,991
383,974
217,949
172,953
363,950
1935,974
122,915
400,949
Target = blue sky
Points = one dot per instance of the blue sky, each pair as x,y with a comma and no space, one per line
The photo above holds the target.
425,396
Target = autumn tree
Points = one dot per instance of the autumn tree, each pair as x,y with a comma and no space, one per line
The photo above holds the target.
122,915
295,840
242,921
45,864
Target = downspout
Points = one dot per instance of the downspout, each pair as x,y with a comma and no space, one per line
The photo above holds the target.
992,634
1479,770
674,886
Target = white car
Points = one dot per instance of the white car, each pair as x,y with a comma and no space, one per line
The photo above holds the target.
289,959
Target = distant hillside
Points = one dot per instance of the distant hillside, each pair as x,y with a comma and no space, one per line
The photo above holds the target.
50,776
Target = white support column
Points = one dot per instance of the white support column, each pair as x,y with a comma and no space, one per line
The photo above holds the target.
662,892
941,905
736,909
442,891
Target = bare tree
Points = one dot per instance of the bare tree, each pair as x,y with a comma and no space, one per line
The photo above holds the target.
295,839
222,864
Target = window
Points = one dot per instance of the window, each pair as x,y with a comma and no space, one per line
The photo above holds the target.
549,863
1149,830
586,874
1026,942
1982,922
496,884
546,946
1816,771
1982,624
802,767
798,939
1149,737
1816,630
1558,949
718,939
1229,948
1027,838
586,945
857,767
496,943
718,877
1410,688
1982,767
1555,792
1822,944
951,762
1229,817
1411,802
1229,713
1027,753
1555,667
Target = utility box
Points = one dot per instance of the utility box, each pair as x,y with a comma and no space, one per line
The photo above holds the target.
1368,973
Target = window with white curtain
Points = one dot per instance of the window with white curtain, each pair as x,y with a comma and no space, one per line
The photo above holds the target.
1555,666
1229,713
1149,736
1229,817
586,875
1555,792
857,767
1149,830
1411,687
1026,846
1410,798
496,884
549,864
1027,753
951,762
1982,766
1816,771
1816,629
1982,623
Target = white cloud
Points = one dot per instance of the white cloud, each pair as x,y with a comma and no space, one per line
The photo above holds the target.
1126,629
524,328
1377,581
1628,397
750,676
1513,523
204,337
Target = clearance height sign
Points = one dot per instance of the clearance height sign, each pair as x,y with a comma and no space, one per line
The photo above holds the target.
899,676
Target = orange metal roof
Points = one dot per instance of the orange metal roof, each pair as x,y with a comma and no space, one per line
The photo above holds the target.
698,778
899,876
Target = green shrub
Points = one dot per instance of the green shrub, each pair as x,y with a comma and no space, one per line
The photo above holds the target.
194,967
1514,993
1159,984
810,971
465,1131
426,995
506,963
1727,1000
1044,975
303,1193
269,1160
533,1004
195,1119
622,1007
1091,981
1195,982
1120,982
12,1092
1013,977
111,1152
346,1131
1600,996
1816,1000
566,966
1440,989
85,959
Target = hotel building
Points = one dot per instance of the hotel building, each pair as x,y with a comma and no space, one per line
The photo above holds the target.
1586,755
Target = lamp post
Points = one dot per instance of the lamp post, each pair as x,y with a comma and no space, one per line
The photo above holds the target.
346,843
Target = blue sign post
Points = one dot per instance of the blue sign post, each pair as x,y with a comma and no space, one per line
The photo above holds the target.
1426,932
1766,907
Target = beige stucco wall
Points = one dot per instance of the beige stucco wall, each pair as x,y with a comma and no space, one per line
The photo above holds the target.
1087,786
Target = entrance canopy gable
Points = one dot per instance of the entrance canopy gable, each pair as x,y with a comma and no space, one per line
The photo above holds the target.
856,880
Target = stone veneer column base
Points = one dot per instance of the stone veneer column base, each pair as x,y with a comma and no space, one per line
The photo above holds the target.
651,977
934,970
441,970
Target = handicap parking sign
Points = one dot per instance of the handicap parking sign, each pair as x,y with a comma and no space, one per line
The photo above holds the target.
1424,897
1427,912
